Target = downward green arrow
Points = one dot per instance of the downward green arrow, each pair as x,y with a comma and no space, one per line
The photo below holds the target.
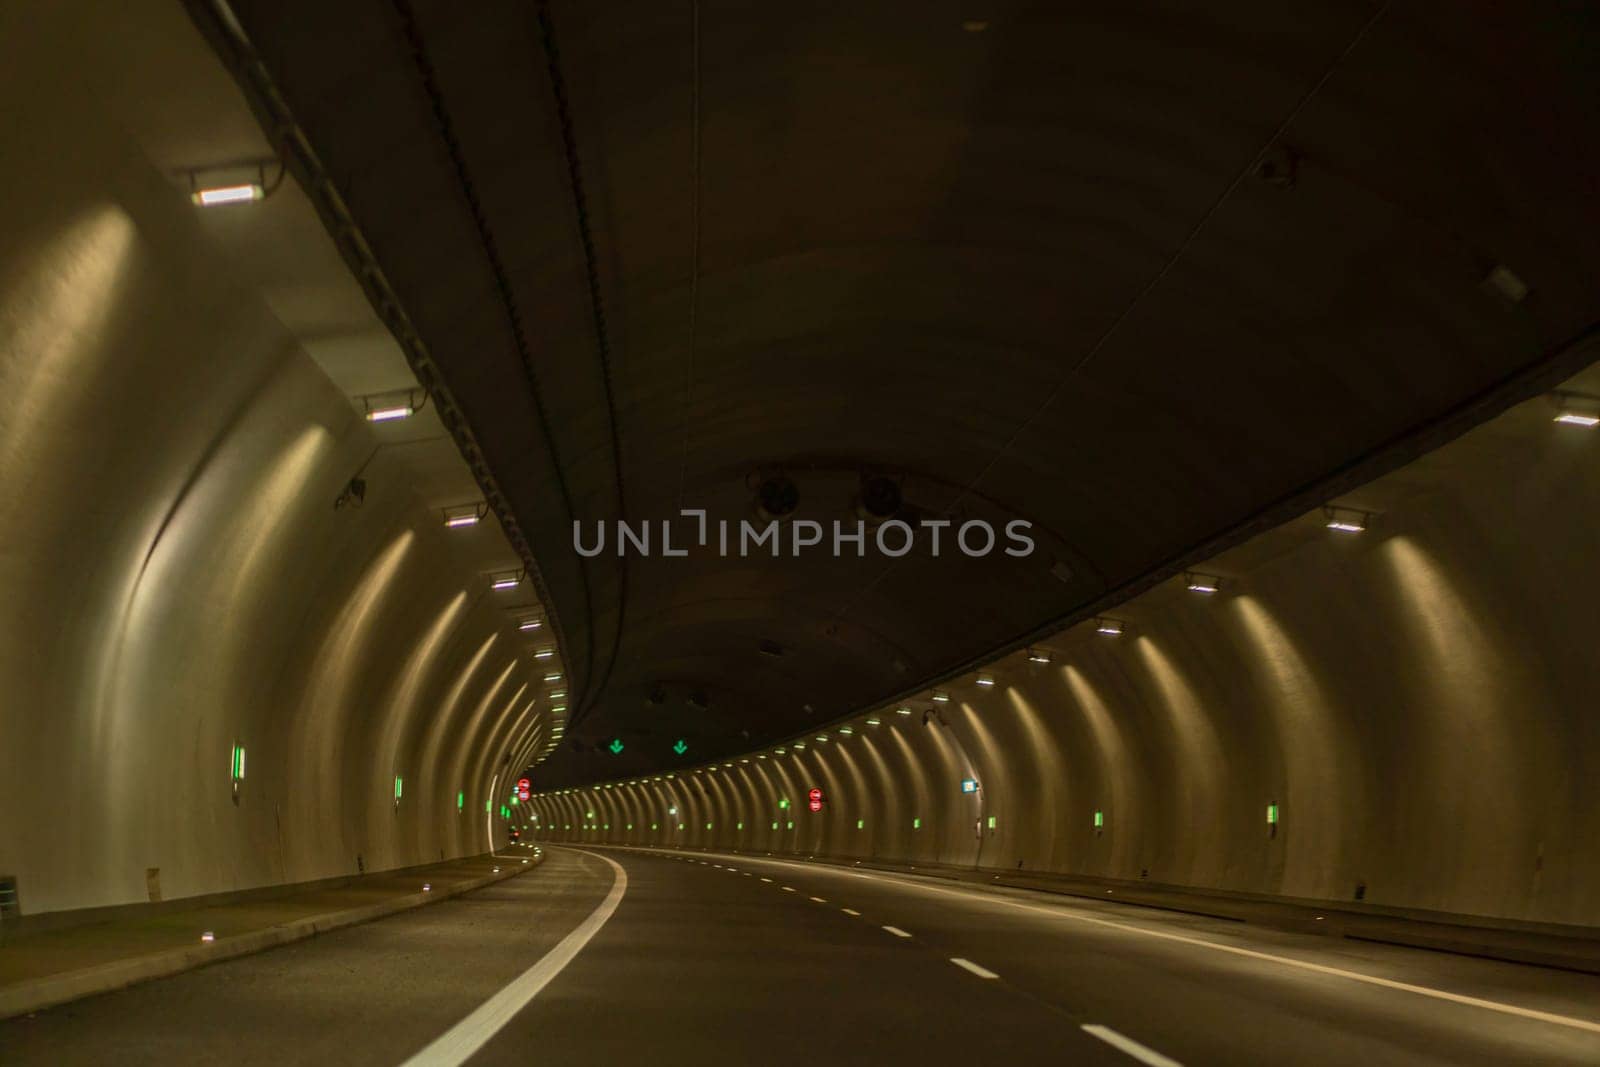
616,746
680,748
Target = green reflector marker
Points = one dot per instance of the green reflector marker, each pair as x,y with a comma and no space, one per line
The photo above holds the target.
791,826
461,801
655,826
238,762
708,826
740,826
630,826
916,824
399,786
1099,819
861,824
487,806
783,803
1272,813
991,822
774,826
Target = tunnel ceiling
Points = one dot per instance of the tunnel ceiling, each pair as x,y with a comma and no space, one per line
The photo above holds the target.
1136,274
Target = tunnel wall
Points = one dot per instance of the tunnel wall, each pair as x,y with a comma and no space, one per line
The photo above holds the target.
1417,701
178,582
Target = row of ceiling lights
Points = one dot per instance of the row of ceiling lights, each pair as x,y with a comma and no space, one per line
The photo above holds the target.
391,406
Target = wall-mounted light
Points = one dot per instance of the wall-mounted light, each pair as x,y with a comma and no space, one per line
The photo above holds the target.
940,697
529,625
902,710
390,407
553,676
1109,627
986,680
240,184
1038,655
1577,409
1345,520
874,721
558,694
544,653
506,579
459,515
1202,583
846,730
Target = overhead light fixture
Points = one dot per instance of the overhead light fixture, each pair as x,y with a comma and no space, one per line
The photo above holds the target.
460,515
1202,583
1345,520
986,680
1109,627
846,730
558,694
874,721
1573,418
941,697
527,625
544,653
558,707
553,676
1038,655
776,497
902,710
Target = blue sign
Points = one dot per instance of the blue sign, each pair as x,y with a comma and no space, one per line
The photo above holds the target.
969,785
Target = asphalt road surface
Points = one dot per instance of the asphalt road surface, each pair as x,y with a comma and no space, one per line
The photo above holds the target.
618,956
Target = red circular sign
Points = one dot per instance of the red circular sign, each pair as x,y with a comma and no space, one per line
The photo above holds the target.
814,799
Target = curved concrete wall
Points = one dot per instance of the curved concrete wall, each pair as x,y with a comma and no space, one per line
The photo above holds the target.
1417,701
176,580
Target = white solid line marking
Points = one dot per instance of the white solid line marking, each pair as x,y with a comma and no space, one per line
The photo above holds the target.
1287,961
457,1044
1130,1046
819,900
896,931
968,965
850,911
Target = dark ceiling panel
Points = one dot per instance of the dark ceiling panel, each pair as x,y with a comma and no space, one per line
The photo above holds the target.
1027,271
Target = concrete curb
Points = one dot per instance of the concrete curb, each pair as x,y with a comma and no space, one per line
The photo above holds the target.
24,997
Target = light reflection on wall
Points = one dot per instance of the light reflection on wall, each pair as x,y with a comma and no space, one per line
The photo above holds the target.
1053,776
1462,742
1320,798
320,724
1115,774
1196,764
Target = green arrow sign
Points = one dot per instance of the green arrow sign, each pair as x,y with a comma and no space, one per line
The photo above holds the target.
615,746
680,748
